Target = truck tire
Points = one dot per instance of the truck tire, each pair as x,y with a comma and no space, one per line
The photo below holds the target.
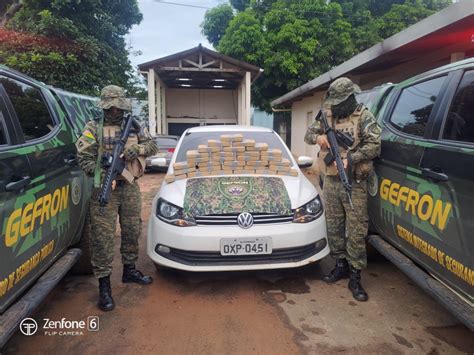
84,266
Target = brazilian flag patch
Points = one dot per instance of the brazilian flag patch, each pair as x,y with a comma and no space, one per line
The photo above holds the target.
88,134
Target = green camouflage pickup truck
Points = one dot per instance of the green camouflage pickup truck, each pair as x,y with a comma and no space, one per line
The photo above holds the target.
422,193
43,193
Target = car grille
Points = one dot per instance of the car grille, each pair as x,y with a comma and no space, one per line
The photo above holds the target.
203,258
231,219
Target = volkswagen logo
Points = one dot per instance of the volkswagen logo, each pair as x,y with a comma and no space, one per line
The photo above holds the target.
245,220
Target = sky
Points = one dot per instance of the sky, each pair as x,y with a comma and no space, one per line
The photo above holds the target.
167,29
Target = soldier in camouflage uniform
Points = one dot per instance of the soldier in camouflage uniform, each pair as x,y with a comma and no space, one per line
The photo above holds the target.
347,227
95,144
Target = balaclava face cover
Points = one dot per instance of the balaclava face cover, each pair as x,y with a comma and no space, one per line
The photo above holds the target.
113,116
345,108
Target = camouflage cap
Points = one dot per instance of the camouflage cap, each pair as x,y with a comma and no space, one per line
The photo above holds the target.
339,90
114,96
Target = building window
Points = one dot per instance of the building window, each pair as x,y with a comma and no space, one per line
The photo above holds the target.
413,108
460,120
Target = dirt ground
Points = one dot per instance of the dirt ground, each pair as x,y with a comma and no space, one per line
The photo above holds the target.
266,312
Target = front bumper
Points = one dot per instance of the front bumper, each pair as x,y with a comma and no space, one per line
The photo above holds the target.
198,248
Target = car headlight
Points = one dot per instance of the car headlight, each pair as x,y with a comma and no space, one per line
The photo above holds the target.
309,212
172,214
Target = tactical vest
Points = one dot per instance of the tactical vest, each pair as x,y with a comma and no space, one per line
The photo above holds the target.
111,134
349,125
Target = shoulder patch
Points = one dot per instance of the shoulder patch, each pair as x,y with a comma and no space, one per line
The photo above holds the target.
88,134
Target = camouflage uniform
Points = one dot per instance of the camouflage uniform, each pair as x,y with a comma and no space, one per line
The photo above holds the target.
125,200
347,227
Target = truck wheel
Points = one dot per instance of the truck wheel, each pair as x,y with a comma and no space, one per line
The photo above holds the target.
84,266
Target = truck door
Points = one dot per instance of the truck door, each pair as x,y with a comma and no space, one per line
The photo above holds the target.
48,213
15,177
395,188
448,167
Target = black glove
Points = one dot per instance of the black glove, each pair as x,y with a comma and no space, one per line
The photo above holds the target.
131,152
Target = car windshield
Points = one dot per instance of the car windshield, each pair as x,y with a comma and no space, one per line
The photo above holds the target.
166,141
192,140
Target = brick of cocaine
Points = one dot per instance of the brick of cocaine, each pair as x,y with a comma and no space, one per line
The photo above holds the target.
240,157
194,161
169,179
245,143
192,154
180,177
272,159
205,149
181,165
233,164
234,149
258,163
280,168
231,138
283,162
214,143
209,165
184,171
221,155
204,156
259,147
273,153
250,154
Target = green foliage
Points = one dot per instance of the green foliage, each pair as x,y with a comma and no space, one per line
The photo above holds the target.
216,21
401,16
77,45
295,41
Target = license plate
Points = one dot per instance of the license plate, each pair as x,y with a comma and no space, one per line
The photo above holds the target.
246,246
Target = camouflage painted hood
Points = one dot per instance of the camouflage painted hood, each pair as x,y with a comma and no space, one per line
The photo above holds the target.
230,195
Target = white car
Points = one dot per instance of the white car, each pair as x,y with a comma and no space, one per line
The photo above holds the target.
236,222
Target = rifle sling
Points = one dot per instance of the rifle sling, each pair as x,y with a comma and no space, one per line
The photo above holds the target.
100,136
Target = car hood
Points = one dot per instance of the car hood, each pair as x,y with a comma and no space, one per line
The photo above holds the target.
229,194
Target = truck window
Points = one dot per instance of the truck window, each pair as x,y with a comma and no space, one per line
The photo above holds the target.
460,120
31,110
3,134
414,106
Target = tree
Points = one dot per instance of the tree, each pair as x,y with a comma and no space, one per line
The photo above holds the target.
77,45
292,41
295,41
216,21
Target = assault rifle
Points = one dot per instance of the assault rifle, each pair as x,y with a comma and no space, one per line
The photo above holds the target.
335,138
115,163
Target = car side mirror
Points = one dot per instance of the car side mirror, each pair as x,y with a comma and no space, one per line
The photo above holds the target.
305,162
158,162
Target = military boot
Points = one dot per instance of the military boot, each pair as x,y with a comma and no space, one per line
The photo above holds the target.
106,302
340,271
355,286
130,274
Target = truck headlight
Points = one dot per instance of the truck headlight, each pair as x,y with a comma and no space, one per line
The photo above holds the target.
309,212
172,214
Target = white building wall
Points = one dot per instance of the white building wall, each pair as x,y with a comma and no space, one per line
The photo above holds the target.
207,104
302,115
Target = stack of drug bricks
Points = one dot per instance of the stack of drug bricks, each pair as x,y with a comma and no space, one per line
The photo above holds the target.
231,155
